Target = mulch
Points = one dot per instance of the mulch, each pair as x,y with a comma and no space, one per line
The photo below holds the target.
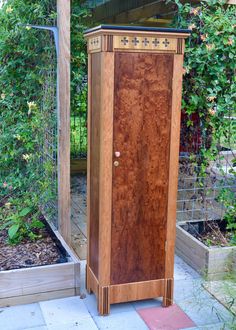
214,235
43,251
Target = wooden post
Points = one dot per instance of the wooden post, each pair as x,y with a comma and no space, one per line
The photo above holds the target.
63,12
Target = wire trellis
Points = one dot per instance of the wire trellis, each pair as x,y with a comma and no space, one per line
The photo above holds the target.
198,196
48,161
78,123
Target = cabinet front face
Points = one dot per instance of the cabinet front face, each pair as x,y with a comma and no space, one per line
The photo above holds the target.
141,134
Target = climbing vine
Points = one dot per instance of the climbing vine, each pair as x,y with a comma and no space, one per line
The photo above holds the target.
24,58
209,88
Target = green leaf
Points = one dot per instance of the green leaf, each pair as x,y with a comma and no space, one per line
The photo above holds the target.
6,224
25,211
12,231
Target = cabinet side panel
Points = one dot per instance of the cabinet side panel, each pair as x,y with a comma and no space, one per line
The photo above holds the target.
94,160
174,162
142,119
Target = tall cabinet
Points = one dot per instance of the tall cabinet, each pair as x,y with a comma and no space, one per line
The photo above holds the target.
134,101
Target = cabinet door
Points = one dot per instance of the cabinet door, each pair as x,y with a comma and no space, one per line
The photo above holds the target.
142,118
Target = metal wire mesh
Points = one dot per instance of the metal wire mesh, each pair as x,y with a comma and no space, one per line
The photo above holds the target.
198,196
47,166
79,124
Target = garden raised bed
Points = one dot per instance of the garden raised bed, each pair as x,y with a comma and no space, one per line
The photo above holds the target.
214,263
32,284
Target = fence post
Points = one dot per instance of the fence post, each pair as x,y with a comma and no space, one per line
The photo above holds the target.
63,22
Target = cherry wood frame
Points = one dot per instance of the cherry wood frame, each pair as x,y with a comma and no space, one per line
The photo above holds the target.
103,43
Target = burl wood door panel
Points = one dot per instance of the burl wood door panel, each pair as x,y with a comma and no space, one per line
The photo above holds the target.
142,118
95,159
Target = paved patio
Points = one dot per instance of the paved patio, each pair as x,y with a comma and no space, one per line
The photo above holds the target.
194,308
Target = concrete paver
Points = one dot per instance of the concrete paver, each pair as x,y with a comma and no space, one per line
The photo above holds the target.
21,317
121,321
166,318
68,311
75,313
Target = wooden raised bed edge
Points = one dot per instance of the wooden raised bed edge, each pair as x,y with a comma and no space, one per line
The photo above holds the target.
78,166
29,285
214,263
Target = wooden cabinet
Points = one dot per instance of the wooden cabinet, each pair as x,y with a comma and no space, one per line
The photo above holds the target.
135,82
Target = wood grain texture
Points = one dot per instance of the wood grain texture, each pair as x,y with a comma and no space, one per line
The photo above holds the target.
36,297
105,188
63,12
104,300
168,292
78,166
95,113
142,114
36,280
136,291
88,168
93,281
174,163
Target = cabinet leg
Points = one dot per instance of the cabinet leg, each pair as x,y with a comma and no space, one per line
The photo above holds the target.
104,300
168,295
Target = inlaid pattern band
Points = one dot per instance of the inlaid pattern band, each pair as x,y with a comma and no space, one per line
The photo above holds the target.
145,43
94,44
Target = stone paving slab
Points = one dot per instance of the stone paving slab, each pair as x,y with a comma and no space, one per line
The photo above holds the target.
121,321
190,290
148,303
68,311
84,324
21,317
224,292
91,304
219,326
206,312
75,313
166,318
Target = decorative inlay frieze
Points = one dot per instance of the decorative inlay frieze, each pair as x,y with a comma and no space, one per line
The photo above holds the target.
135,41
145,43
124,41
94,44
109,43
166,43
156,42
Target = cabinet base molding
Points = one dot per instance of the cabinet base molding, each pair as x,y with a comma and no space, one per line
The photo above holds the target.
118,293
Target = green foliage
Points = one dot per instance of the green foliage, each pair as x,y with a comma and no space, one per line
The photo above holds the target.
209,87
80,21
24,57
209,81
20,216
227,198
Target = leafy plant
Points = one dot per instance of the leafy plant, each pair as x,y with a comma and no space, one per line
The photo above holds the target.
26,104
227,198
80,20
209,80
209,89
25,57
21,218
